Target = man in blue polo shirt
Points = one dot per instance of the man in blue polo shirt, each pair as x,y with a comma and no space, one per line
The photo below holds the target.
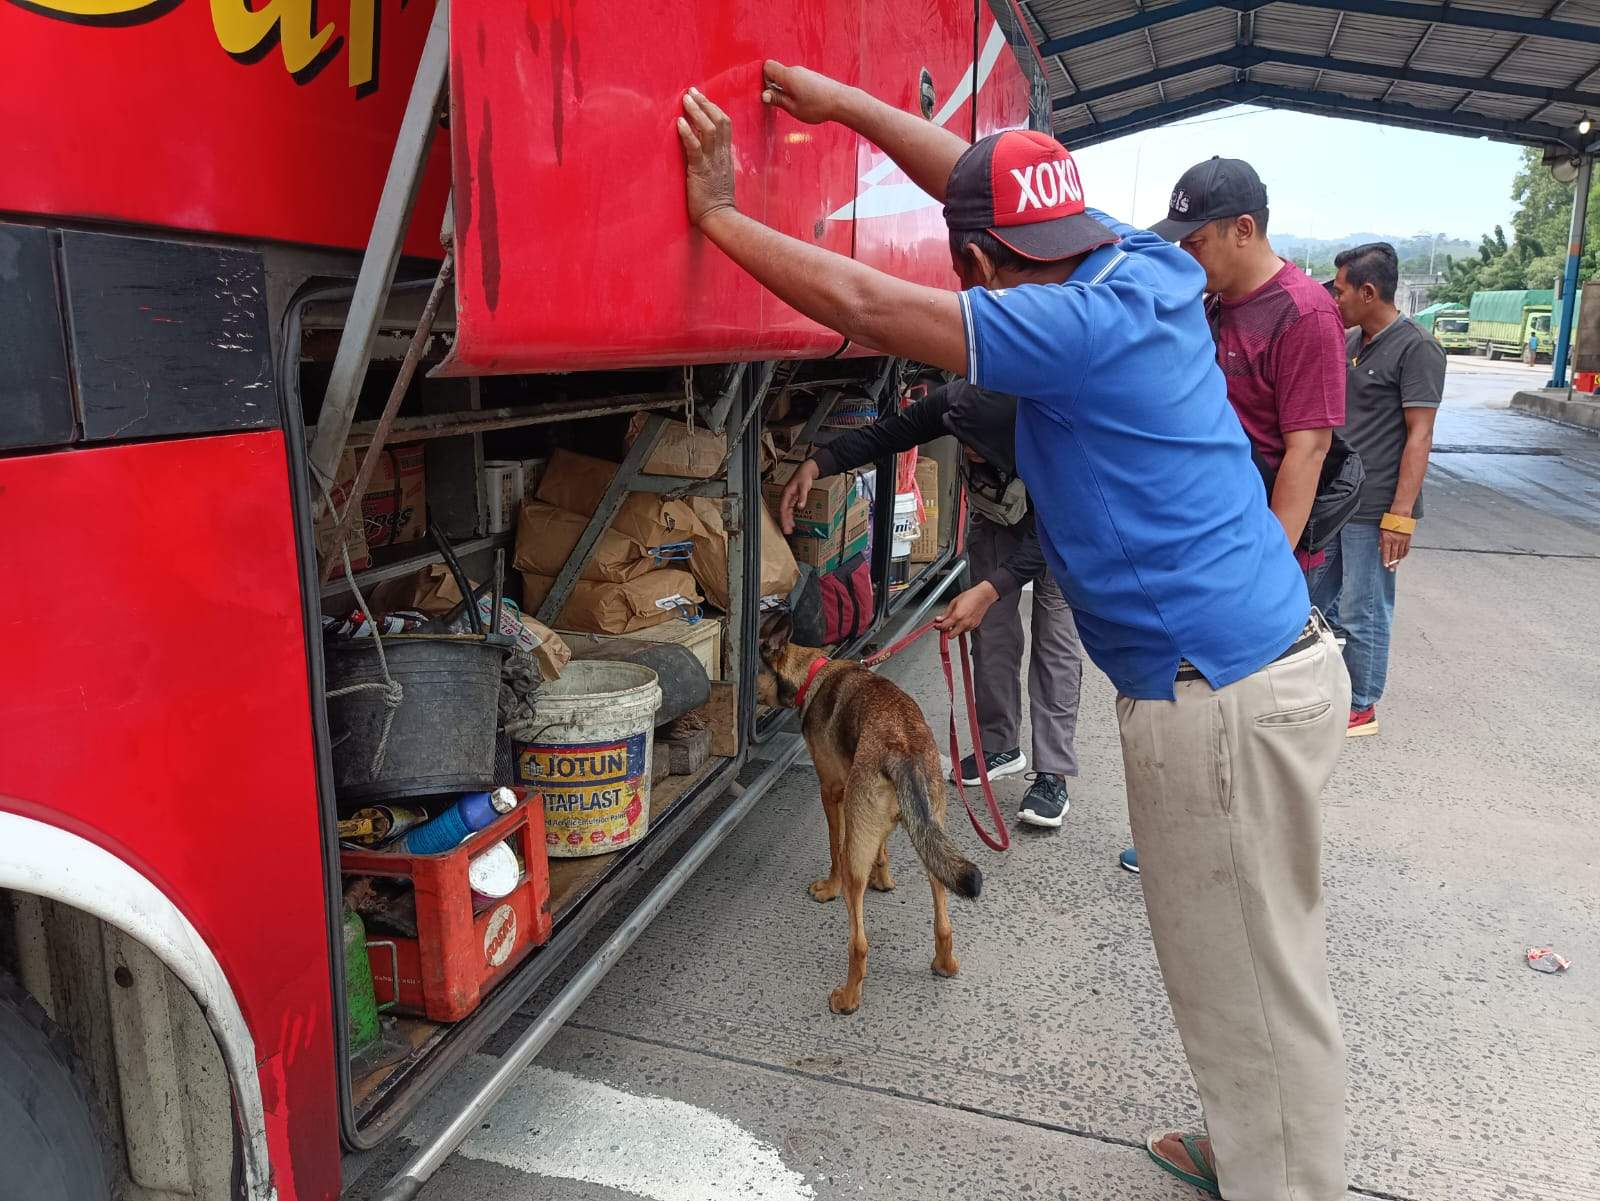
1232,698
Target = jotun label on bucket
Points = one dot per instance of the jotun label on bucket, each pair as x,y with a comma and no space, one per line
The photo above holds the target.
596,794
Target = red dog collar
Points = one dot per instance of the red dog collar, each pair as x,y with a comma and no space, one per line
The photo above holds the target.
817,665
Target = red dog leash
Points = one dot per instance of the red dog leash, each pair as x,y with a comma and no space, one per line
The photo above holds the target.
1003,840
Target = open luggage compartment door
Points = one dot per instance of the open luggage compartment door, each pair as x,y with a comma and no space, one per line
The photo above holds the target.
573,244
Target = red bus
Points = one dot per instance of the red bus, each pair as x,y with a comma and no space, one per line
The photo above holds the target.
219,224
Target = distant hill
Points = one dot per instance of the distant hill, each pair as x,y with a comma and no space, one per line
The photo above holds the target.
1417,246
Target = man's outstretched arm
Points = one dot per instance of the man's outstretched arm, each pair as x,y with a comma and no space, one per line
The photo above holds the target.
924,151
866,306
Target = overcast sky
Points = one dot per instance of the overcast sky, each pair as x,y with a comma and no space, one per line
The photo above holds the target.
1325,177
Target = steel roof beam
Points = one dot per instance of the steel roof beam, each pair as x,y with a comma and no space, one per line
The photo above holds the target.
1242,58
1155,115
1465,18
1459,123
1328,104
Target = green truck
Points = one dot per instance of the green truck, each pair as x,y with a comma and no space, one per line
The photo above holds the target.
1448,324
1502,323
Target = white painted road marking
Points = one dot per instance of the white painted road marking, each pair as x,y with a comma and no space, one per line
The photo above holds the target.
557,1124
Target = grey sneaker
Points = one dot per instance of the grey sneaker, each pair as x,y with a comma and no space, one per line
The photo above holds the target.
1045,802
1001,763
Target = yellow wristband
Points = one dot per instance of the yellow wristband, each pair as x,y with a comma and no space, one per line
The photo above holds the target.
1399,524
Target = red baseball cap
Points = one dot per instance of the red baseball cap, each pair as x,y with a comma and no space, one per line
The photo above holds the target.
1023,187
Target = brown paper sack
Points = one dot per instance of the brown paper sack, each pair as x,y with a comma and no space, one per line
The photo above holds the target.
577,483
546,536
616,608
779,571
432,591
696,453
553,654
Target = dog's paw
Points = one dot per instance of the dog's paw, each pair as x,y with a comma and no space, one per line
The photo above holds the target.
824,890
842,1003
880,880
948,966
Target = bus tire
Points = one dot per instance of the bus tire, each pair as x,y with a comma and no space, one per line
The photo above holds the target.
53,1144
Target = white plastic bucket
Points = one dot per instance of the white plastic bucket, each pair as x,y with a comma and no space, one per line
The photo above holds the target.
906,527
591,756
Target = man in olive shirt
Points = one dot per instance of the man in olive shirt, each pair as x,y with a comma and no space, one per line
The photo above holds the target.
1392,394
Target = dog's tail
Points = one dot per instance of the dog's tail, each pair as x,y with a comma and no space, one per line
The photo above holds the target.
938,854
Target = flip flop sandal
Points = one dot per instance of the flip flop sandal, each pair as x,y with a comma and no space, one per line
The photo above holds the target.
1205,1178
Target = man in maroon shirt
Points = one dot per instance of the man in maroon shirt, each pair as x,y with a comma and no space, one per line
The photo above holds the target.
1280,340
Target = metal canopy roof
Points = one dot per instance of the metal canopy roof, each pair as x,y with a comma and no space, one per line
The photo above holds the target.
1513,70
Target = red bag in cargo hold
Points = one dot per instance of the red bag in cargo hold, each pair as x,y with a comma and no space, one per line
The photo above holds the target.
830,607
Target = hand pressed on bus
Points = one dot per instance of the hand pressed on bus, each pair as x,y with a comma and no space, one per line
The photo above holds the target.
866,306
707,137
924,151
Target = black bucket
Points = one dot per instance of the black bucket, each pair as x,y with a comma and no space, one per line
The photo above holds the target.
443,736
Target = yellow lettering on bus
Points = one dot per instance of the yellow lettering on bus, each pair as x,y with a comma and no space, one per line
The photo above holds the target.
93,8
241,29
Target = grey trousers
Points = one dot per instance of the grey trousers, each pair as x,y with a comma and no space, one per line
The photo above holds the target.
1225,800
1055,668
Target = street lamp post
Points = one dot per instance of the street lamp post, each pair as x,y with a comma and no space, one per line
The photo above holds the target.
1569,281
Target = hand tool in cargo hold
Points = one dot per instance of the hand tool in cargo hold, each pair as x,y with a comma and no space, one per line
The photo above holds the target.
378,824
995,842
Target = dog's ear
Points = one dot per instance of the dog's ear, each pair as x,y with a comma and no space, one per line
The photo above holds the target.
776,630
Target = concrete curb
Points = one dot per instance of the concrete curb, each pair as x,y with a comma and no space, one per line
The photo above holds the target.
1570,408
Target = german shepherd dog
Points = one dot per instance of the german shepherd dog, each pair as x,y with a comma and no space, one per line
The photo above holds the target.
878,765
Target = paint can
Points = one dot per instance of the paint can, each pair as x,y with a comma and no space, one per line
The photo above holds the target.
591,757
494,873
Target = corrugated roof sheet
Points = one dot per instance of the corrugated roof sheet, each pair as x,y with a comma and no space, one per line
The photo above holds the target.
1329,41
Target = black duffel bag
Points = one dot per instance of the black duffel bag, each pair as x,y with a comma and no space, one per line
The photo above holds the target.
1338,492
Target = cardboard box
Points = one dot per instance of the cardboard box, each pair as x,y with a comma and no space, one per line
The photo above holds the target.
360,556
823,507
785,437
702,638
926,547
395,507
828,551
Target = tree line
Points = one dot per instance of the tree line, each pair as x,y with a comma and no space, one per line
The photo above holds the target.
1535,253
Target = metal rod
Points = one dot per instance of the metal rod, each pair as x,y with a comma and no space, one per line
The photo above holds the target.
679,485
610,501
1569,283
408,1182
402,382
384,246
427,426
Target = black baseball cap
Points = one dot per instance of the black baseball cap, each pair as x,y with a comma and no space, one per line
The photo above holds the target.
1023,187
1210,191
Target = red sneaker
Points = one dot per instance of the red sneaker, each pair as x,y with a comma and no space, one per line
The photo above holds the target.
1363,722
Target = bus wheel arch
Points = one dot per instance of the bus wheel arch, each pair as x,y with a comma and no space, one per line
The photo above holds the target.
113,963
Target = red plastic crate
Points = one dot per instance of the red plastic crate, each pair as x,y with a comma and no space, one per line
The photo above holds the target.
458,956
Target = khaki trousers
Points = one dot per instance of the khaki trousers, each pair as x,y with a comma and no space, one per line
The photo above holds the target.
1225,801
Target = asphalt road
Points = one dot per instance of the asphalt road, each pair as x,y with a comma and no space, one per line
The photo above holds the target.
707,1065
